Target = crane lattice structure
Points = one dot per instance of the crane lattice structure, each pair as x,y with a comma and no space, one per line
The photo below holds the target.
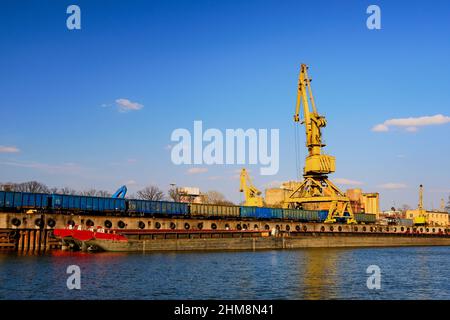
316,192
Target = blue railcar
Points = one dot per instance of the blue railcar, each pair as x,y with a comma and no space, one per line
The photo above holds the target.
23,200
261,212
2,199
87,203
157,207
323,214
11,200
247,212
35,200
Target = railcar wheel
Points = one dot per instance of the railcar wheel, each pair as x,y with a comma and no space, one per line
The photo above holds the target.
38,222
108,224
141,225
121,224
16,222
51,222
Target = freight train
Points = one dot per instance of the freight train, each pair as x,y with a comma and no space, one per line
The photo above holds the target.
75,204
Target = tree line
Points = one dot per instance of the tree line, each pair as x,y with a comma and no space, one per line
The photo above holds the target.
150,192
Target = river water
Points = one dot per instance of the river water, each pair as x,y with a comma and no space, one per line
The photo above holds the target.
406,273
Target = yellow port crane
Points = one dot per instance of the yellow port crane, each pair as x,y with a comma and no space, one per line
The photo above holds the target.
316,192
251,193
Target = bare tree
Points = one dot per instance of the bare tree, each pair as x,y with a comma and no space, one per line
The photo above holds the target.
215,197
151,193
8,186
103,193
31,186
53,190
89,193
174,194
67,190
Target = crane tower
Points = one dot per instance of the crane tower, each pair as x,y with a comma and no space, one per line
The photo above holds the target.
316,192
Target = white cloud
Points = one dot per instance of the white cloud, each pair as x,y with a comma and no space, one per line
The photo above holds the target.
345,181
131,160
197,170
168,147
380,128
126,105
8,149
410,124
392,186
131,183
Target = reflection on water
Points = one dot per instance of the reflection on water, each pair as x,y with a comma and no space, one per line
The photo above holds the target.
407,273
321,274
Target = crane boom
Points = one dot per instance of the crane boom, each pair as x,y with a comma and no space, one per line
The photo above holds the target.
316,162
120,193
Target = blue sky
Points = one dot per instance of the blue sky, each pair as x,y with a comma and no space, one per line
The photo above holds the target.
231,64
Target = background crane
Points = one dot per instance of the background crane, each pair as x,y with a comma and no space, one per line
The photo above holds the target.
316,192
121,192
421,219
251,193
